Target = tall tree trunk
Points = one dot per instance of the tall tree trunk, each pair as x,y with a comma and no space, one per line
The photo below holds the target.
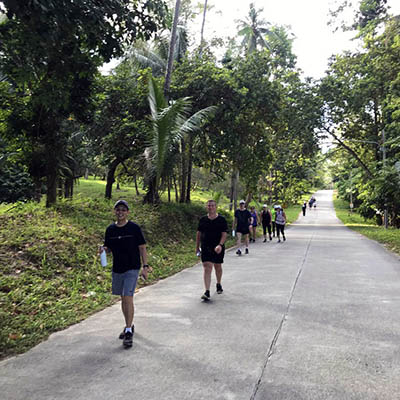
152,196
171,50
235,181
202,27
189,169
183,171
136,186
68,188
169,189
176,190
111,177
51,179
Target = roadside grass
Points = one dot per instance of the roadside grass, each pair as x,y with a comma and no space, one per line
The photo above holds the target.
389,237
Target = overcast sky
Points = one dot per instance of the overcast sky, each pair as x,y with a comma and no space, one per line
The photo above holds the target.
314,42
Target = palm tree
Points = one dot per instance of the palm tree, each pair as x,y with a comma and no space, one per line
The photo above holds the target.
254,30
170,124
155,55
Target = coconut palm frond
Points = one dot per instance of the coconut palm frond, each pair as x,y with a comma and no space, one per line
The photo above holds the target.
194,123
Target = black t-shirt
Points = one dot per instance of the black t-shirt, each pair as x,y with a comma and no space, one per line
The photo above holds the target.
124,243
243,219
211,230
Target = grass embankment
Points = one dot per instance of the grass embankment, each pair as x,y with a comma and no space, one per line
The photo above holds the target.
50,274
389,237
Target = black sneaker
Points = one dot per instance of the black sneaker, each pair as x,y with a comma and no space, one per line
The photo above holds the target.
128,339
206,295
284,239
122,334
219,288
247,251
270,238
279,240
264,240
238,252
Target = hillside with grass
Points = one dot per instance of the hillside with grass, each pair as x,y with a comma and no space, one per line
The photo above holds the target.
51,276
390,237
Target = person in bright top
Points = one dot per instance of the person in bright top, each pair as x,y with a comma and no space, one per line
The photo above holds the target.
210,245
280,221
242,224
125,240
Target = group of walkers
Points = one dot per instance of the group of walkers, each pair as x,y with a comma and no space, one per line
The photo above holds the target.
125,240
311,203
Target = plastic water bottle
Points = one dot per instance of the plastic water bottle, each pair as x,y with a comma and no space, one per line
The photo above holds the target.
103,258
233,233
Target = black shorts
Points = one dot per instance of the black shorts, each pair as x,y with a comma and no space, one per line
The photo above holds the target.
244,230
208,254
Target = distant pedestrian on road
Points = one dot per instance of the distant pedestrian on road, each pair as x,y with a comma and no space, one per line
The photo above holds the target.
211,236
280,220
254,215
304,208
273,221
242,223
125,240
266,219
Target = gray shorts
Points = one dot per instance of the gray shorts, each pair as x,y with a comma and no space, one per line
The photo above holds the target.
124,284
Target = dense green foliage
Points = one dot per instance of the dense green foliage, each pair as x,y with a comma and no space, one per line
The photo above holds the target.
362,114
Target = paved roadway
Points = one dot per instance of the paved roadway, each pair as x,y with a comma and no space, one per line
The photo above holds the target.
316,317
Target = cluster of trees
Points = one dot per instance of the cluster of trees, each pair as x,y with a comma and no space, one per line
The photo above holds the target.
249,116
173,114
362,114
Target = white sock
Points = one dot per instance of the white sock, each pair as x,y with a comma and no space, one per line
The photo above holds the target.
128,330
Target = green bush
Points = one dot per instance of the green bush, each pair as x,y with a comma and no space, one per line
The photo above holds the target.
15,185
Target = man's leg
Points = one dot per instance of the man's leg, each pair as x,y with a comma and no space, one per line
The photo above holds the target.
218,275
246,241
218,272
128,310
207,268
238,243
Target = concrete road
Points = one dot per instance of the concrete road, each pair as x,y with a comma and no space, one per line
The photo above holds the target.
316,317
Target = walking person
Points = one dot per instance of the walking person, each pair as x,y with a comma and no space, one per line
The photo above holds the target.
242,224
266,219
304,208
210,238
280,220
125,240
273,221
254,215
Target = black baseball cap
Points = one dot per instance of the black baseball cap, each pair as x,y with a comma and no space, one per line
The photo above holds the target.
121,203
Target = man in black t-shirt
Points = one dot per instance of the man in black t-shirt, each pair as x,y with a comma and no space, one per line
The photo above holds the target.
125,240
242,222
211,235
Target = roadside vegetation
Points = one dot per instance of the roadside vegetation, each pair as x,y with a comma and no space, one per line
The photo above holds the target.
389,237
50,275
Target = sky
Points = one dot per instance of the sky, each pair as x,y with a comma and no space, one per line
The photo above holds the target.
314,42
